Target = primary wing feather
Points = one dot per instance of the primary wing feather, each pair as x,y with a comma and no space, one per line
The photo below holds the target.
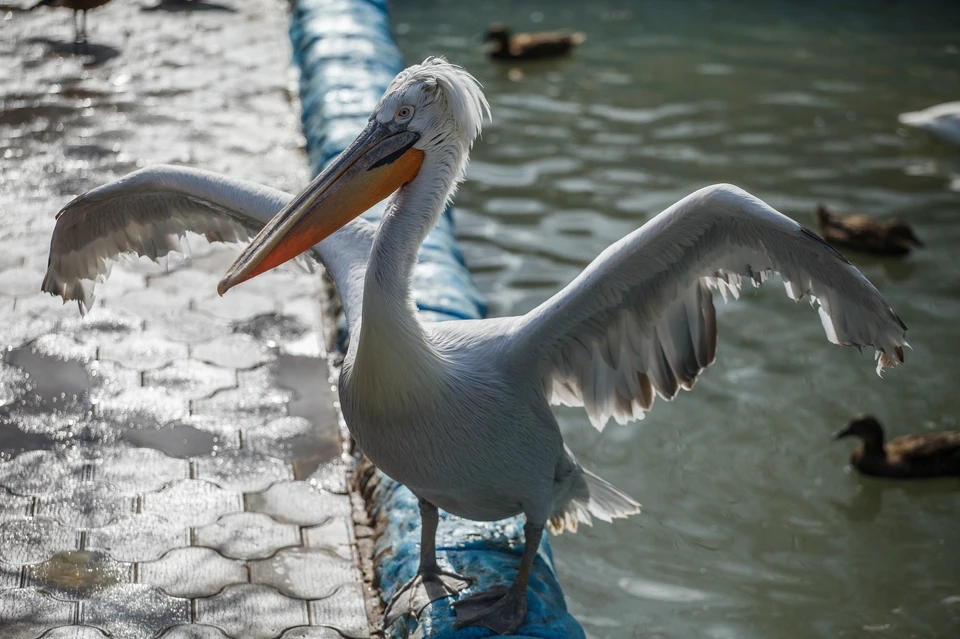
148,213
640,319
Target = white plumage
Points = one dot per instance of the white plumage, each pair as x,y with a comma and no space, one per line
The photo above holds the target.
941,121
459,411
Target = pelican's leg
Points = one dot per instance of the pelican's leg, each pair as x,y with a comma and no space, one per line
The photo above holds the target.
502,609
430,583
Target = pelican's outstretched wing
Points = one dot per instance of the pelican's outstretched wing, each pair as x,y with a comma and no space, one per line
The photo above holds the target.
641,319
149,211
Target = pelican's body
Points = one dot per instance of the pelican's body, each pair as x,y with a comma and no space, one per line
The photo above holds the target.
460,411
941,121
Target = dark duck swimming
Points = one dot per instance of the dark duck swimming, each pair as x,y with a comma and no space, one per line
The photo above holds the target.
908,456
865,234
529,46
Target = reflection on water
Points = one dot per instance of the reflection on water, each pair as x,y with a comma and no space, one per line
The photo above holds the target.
752,526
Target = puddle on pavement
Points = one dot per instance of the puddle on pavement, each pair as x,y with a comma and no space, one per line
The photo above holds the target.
302,375
52,382
179,440
74,573
14,441
273,329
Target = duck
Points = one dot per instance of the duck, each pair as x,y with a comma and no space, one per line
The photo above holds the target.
529,46
865,234
909,456
80,7
942,121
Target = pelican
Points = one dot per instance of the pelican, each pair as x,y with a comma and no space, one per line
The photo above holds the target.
459,411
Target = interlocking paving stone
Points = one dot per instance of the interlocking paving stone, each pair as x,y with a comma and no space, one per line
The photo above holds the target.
343,610
111,379
138,538
9,576
77,574
192,572
22,326
27,614
239,305
247,536
30,541
134,611
189,326
86,505
75,632
100,325
304,573
243,470
14,506
237,350
276,329
147,302
143,407
298,502
190,379
191,502
195,631
252,611
19,281
311,632
260,405
331,476
38,472
333,536
64,348
143,351
139,470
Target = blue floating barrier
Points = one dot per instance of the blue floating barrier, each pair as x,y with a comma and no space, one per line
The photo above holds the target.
347,58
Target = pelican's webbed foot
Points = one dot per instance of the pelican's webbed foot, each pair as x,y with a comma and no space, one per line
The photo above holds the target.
419,592
500,609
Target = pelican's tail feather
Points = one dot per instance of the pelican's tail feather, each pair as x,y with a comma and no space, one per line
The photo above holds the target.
590,496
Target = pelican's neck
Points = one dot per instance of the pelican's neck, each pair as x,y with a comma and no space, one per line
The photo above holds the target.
389,328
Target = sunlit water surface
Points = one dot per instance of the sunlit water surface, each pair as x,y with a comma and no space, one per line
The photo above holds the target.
752,524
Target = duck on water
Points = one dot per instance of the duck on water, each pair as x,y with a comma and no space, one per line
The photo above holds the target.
459,411
909,456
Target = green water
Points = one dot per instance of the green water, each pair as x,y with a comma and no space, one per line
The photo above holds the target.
752,524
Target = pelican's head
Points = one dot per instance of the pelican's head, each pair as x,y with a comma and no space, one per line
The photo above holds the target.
429,117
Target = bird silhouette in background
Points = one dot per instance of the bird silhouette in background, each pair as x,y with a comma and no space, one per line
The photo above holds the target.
910,456
529,46
865,234
80,8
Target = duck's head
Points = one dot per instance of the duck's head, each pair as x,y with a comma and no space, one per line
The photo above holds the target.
419,133
497,32
864,426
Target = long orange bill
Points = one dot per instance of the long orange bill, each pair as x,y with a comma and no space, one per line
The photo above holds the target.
375,165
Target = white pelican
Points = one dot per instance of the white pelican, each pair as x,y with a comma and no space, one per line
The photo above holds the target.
459,411
941,121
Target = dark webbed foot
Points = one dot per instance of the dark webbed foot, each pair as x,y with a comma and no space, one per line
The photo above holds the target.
500,609
419,592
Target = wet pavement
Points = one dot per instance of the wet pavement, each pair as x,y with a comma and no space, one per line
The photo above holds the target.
167,464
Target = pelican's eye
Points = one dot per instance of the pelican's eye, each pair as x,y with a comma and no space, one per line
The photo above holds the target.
405,113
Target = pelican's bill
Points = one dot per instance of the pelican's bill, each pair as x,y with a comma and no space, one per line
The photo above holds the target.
376,164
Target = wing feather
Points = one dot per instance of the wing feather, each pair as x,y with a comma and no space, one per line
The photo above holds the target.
640,319
150,211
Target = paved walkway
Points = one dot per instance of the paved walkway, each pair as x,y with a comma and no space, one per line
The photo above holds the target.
171,462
